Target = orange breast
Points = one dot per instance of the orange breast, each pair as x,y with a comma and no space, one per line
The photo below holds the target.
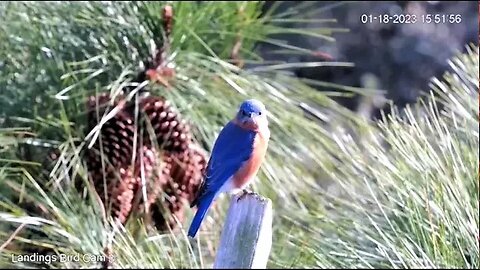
250,168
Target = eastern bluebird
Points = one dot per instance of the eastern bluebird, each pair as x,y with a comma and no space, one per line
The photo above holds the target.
236,157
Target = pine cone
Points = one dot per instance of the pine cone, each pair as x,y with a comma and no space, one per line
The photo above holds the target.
186,174
159,177
172,134
117,134
116,140
176,171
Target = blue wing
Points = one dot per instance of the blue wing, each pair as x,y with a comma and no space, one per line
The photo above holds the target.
233,147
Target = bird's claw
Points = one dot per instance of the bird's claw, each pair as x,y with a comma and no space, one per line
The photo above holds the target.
245,193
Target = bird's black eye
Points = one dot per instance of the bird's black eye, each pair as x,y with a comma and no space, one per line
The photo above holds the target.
259,113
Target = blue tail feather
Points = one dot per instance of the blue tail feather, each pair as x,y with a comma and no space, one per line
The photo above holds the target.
202,210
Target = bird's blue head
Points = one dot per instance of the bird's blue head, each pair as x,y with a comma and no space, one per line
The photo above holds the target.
251,114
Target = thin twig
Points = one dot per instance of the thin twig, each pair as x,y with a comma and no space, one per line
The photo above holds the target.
12,236
168,21
236,51
160,72
234,55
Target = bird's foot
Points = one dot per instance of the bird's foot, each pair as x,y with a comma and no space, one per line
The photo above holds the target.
245,192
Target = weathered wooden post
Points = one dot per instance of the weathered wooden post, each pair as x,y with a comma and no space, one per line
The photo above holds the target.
246,238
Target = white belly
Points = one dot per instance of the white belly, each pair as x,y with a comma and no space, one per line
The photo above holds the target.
229,188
